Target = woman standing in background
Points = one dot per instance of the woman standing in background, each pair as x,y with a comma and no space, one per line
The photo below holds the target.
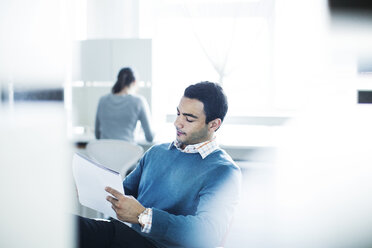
119,111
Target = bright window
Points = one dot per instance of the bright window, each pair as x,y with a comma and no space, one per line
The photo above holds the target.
228,42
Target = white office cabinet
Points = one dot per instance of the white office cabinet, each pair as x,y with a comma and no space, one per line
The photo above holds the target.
96,64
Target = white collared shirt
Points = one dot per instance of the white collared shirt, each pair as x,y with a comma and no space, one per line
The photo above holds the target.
204,148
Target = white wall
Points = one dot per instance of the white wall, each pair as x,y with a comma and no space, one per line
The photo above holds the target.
112,19
35,38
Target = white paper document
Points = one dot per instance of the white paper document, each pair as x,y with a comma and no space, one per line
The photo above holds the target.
91,179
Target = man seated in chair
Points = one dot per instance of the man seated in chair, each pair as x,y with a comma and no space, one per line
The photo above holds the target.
181,194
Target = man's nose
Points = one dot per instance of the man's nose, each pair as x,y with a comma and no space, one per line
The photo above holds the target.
178,122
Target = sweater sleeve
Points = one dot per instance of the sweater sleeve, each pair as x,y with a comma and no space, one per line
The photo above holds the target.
131,182
144,117
217,201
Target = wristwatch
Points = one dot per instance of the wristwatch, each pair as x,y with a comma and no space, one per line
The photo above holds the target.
144,217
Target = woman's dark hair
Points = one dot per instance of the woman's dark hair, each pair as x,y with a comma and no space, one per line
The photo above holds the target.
125,79
213,98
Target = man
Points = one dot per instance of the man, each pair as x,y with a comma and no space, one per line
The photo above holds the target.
181,194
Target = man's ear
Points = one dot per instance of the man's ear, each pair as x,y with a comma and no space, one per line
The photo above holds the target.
214,124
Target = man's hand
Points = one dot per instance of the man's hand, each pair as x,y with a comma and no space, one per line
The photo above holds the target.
127,208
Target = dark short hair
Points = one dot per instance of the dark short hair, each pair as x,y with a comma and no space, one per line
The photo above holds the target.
213,98
125,79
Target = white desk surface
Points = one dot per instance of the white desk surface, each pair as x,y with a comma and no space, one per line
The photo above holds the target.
233,136
238,140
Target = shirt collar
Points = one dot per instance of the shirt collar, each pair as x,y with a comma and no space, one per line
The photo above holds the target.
204,148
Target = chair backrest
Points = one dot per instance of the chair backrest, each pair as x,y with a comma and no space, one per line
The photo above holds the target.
117,155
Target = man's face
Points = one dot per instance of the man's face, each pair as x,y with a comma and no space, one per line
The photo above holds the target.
190,123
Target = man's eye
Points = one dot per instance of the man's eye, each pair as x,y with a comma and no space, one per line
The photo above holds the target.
189,120
178,113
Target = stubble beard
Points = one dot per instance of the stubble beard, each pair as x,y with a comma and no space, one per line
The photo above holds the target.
195,138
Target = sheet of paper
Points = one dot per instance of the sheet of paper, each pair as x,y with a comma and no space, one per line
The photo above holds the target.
91,179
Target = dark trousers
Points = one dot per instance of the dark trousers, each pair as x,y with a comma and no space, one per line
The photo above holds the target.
108,234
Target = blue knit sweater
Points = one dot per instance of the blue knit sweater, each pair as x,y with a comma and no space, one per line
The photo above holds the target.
192,199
